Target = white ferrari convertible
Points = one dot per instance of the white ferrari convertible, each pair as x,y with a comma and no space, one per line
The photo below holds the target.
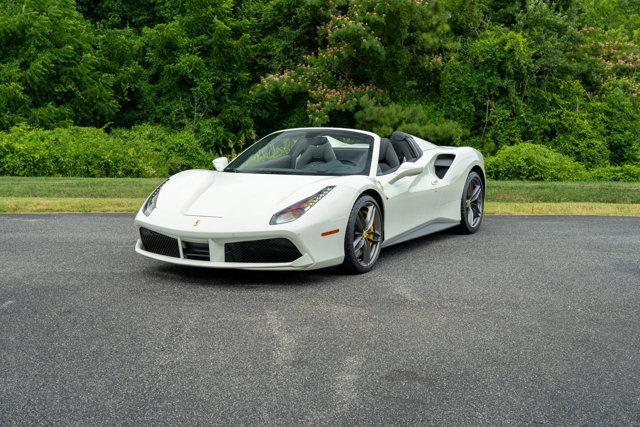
312,198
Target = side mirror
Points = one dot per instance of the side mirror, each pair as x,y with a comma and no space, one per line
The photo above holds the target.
406,169
220,163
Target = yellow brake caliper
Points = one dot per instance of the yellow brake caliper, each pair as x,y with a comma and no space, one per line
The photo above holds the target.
368,234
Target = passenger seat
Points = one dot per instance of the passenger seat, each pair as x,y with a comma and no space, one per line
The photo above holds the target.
405,146
388,159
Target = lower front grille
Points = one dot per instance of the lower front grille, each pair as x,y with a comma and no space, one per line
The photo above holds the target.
159,243
261,251
199,251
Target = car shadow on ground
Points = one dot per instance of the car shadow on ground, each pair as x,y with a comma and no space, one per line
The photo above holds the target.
408,248
245,278
248,278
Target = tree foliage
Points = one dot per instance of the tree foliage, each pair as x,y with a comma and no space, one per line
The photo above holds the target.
559,74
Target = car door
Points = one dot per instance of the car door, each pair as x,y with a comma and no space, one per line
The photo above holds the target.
447,184
411,201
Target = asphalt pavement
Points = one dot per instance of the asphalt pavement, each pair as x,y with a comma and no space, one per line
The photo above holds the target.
531,320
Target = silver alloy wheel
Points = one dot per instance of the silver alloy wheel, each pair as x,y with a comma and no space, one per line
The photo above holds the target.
367,240
474,202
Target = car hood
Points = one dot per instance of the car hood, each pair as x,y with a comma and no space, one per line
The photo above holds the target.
245,195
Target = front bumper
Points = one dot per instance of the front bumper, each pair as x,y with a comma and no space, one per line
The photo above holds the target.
303,263
316,251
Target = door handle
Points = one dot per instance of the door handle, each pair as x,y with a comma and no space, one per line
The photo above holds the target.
434,182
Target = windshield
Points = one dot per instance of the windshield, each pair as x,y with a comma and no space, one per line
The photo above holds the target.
308,152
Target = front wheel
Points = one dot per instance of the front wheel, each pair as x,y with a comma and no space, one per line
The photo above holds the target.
472,204
364,236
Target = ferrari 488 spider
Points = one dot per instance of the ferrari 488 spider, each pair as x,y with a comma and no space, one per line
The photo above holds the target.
312,198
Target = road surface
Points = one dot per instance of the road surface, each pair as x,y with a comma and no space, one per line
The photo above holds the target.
532,320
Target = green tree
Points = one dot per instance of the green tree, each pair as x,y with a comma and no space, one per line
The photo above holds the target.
49,73
485,85
385,50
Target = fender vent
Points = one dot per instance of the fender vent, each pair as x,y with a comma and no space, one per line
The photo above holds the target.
261,251
442,164
159,243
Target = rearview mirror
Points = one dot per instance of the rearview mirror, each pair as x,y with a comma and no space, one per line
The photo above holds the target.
220,163
406,169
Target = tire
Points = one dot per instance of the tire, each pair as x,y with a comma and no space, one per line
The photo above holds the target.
472,204
362,241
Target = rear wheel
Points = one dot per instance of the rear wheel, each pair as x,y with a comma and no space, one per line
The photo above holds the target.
472,204
364,236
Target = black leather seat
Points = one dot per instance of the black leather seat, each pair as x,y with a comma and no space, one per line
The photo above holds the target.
406,148
388,159
318,150
297,150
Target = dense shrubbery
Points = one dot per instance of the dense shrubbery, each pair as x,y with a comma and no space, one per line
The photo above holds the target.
533,162
144,151
526,161
627,173
208,76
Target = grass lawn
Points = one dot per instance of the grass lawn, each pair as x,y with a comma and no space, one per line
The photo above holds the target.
100,188
563,192
503,197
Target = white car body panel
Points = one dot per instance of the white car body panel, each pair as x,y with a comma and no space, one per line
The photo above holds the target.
215,208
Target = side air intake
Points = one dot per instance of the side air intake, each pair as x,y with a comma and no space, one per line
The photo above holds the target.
443,163
159,243
261,251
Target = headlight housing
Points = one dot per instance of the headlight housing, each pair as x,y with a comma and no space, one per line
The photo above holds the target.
296,210
150,204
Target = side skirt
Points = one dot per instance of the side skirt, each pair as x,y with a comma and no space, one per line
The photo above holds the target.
422,230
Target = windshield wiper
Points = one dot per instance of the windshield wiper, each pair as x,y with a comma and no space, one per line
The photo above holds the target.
264,172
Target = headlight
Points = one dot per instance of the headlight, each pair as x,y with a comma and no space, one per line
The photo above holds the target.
295,211
150,204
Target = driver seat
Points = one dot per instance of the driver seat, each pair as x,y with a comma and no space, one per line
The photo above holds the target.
319,150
